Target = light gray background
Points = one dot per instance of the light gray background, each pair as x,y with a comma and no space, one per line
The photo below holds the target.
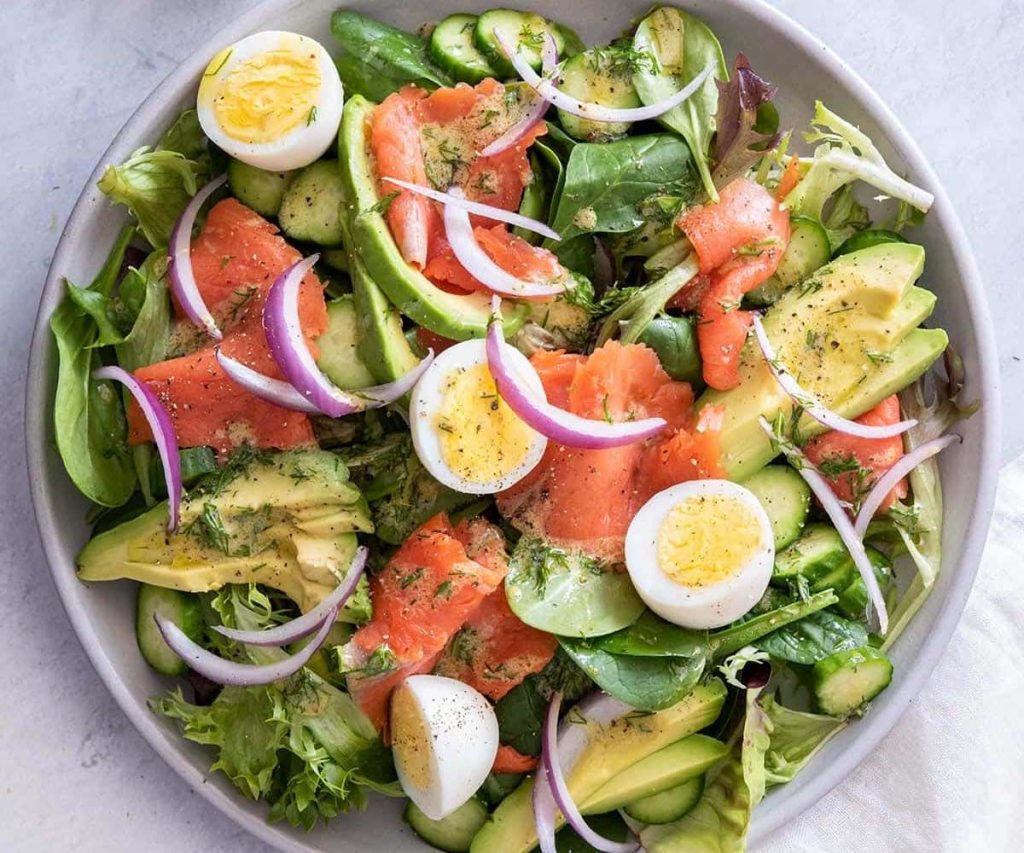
73,773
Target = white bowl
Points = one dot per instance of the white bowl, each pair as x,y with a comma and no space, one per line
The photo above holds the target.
804,69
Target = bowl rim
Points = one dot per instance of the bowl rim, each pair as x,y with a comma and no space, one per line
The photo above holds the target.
38,405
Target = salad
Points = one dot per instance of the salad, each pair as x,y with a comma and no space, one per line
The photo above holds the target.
524,429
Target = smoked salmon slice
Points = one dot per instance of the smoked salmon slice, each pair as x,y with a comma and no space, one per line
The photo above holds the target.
851,465
236,259
586,499
433,140
739,241
421,598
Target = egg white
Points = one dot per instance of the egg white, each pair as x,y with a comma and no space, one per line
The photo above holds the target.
461,740
710,605
301,145
426,403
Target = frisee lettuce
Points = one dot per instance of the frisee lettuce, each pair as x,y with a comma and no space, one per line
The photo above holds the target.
846,154
300,744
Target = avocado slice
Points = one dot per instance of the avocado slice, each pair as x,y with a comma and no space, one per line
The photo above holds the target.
381,344
677,763
287,520
459,317
848,333
608,753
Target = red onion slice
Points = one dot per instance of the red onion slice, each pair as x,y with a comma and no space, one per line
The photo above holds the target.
555,781
824,416
478,263
549,59
308,622
887,482
460,201
283,328
545,811
589,110
836,512
275,391
239,674
557,424
179,248
162,427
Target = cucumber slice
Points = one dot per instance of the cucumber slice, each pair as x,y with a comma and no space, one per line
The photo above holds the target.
257,188
312,204
454,50
845,681
853,600
669,805
338,345
182,608
525,29
785,497
336,259
601,76
453,833
866,239
808,250
818,555
497,786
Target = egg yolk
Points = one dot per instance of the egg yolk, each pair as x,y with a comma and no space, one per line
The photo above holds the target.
265,96
482,440
411,742
707,539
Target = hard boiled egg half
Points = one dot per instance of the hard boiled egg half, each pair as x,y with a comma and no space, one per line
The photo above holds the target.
272,100
444,740
700,554
465,435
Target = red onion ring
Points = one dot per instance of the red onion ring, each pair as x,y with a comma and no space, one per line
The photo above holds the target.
283,328
836,512
308,622
460,201
275,391
589,110
887,482
549,59
239,674
179,248
478,263
162,427
554,780
557,424
824,416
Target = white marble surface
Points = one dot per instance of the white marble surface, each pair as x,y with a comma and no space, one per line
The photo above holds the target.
73,773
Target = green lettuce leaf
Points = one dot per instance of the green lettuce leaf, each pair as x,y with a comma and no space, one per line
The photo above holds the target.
795,738
301,744
155,184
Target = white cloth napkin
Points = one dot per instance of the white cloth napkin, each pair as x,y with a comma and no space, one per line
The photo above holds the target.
949,778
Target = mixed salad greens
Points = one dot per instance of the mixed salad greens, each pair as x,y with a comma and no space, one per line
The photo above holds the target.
515,426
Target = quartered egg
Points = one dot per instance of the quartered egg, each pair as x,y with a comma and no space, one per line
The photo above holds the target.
700,554
465,435
444,740
272,100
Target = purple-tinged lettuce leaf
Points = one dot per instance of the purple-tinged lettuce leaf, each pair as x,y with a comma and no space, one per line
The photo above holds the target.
747,122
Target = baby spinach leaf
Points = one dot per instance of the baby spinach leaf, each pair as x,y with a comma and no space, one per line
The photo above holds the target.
681,46
361,78
652,636
567,592
646,683
89,423
814,638
609,825
520,714
606,183
392,53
